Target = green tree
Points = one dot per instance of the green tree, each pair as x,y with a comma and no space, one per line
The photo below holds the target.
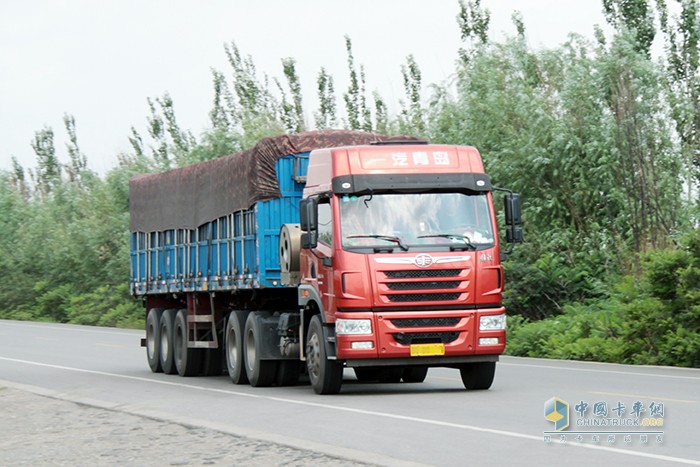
412,120
382,114
256,111
637,17
473,22
48,169
352,95
78,161
296,109
325,117
682,61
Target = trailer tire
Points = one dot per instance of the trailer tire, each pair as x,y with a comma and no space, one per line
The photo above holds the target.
414,374
478,375
188,361
211,364
288,372
153,339
167,325
235,357
261,373
326,376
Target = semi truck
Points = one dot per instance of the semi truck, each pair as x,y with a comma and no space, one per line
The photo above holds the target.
317,252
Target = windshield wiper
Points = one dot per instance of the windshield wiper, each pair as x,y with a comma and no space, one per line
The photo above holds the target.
467,241
388,238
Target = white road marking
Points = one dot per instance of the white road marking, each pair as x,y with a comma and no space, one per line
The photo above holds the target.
592,370
426,421
113,346
73,328
655,398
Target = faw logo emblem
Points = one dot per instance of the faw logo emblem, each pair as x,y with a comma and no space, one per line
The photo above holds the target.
423,261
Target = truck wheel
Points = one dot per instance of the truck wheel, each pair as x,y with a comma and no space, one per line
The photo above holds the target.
211,365
260,373
288,372
326,375
153,339
235,358
366,374
478,375
391,374
167,325
188,361
414,374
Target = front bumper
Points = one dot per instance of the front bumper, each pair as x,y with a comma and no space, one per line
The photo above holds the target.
393,334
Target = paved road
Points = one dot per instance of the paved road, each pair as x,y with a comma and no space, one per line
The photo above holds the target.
433,423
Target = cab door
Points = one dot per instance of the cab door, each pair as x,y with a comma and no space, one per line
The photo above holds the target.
324,264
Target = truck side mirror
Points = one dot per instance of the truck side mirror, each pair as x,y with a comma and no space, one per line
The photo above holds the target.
512,205
308,215
309,240
514,235
308,222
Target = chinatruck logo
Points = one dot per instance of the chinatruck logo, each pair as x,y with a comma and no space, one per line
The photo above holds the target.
557,411
596,421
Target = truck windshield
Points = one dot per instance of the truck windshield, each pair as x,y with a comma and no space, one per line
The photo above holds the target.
452,220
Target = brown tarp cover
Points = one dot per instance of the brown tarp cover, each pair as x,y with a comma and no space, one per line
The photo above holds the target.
187,197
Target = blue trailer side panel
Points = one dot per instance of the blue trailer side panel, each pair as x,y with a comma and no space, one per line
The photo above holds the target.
235,251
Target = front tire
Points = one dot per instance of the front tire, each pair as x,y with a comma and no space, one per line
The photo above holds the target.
188,361
326,375
478,375
153,339
260,372
414,374
288,372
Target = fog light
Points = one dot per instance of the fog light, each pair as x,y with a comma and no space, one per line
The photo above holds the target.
362,345
488,341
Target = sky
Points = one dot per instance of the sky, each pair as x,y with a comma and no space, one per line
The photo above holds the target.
100,61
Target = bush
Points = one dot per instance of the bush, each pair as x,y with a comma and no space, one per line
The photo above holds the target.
653,320
106,306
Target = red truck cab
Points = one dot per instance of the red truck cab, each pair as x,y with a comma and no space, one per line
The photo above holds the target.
401,264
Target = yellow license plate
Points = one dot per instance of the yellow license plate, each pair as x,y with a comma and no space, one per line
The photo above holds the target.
427,350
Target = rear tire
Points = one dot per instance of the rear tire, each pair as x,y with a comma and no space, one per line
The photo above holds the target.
326,376
288,372
478,375
235,357
153,339
167,325
188,361
414,374
260,372
211,362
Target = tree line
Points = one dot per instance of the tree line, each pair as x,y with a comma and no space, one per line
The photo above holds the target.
600,135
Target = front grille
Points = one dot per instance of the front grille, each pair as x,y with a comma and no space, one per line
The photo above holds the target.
424,322
422,285
417,274
408,338
422,297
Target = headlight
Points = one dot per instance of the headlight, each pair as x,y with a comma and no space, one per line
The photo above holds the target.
353,326
492,322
